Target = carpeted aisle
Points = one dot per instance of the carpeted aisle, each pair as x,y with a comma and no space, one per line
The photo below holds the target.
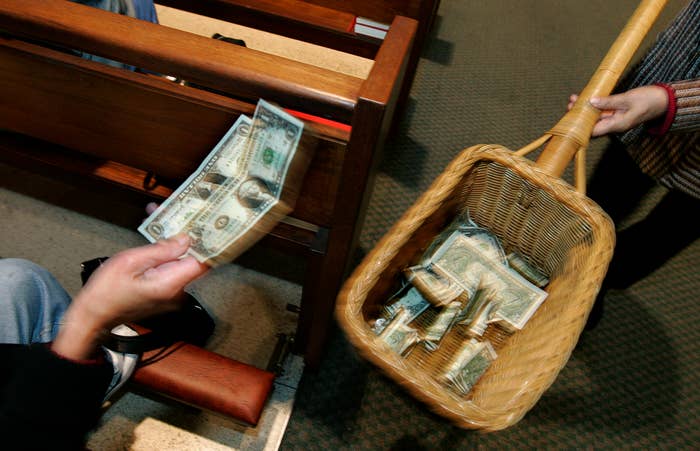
501,72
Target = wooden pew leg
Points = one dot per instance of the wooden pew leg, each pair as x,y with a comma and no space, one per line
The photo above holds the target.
327,266
428,13
316,303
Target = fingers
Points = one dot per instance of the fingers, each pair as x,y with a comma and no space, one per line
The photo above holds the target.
612,115
170,249
170,278
151,207
165,270
158,260
138,260
602,103
604,126
613,102
572,100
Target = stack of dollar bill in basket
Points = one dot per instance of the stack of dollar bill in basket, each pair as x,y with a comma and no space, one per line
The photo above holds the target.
462,283
242,189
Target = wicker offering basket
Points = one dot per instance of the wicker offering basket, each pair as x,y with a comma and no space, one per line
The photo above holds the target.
532,211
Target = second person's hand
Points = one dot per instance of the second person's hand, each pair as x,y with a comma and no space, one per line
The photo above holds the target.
624,111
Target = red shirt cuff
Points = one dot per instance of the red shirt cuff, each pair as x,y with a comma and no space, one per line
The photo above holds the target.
660,126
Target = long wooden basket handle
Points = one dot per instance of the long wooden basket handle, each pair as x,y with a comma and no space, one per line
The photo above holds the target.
574,129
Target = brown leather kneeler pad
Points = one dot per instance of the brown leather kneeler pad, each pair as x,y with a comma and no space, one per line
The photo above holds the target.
206,380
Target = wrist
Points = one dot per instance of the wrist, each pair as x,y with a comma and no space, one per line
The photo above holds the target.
79,336
661,125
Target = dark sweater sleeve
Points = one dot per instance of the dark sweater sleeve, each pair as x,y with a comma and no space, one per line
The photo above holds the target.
47,402
687,117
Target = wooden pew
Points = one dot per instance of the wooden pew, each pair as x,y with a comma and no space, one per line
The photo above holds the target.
328,23
146,133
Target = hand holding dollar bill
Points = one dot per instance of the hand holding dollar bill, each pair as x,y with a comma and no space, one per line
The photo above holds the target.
242,189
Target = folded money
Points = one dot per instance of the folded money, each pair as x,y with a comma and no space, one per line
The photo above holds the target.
440,291
243,188
478,312
409,299
457,259
412,302
441,325
398,335
487,242
516,299
527,269
468,365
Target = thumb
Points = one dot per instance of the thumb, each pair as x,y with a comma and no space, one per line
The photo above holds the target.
613,102
163,251
171,277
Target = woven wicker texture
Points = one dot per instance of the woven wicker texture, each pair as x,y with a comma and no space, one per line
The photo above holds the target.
530,211
533,212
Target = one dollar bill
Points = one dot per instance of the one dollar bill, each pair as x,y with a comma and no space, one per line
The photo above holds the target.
247,208
226,162
241,190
